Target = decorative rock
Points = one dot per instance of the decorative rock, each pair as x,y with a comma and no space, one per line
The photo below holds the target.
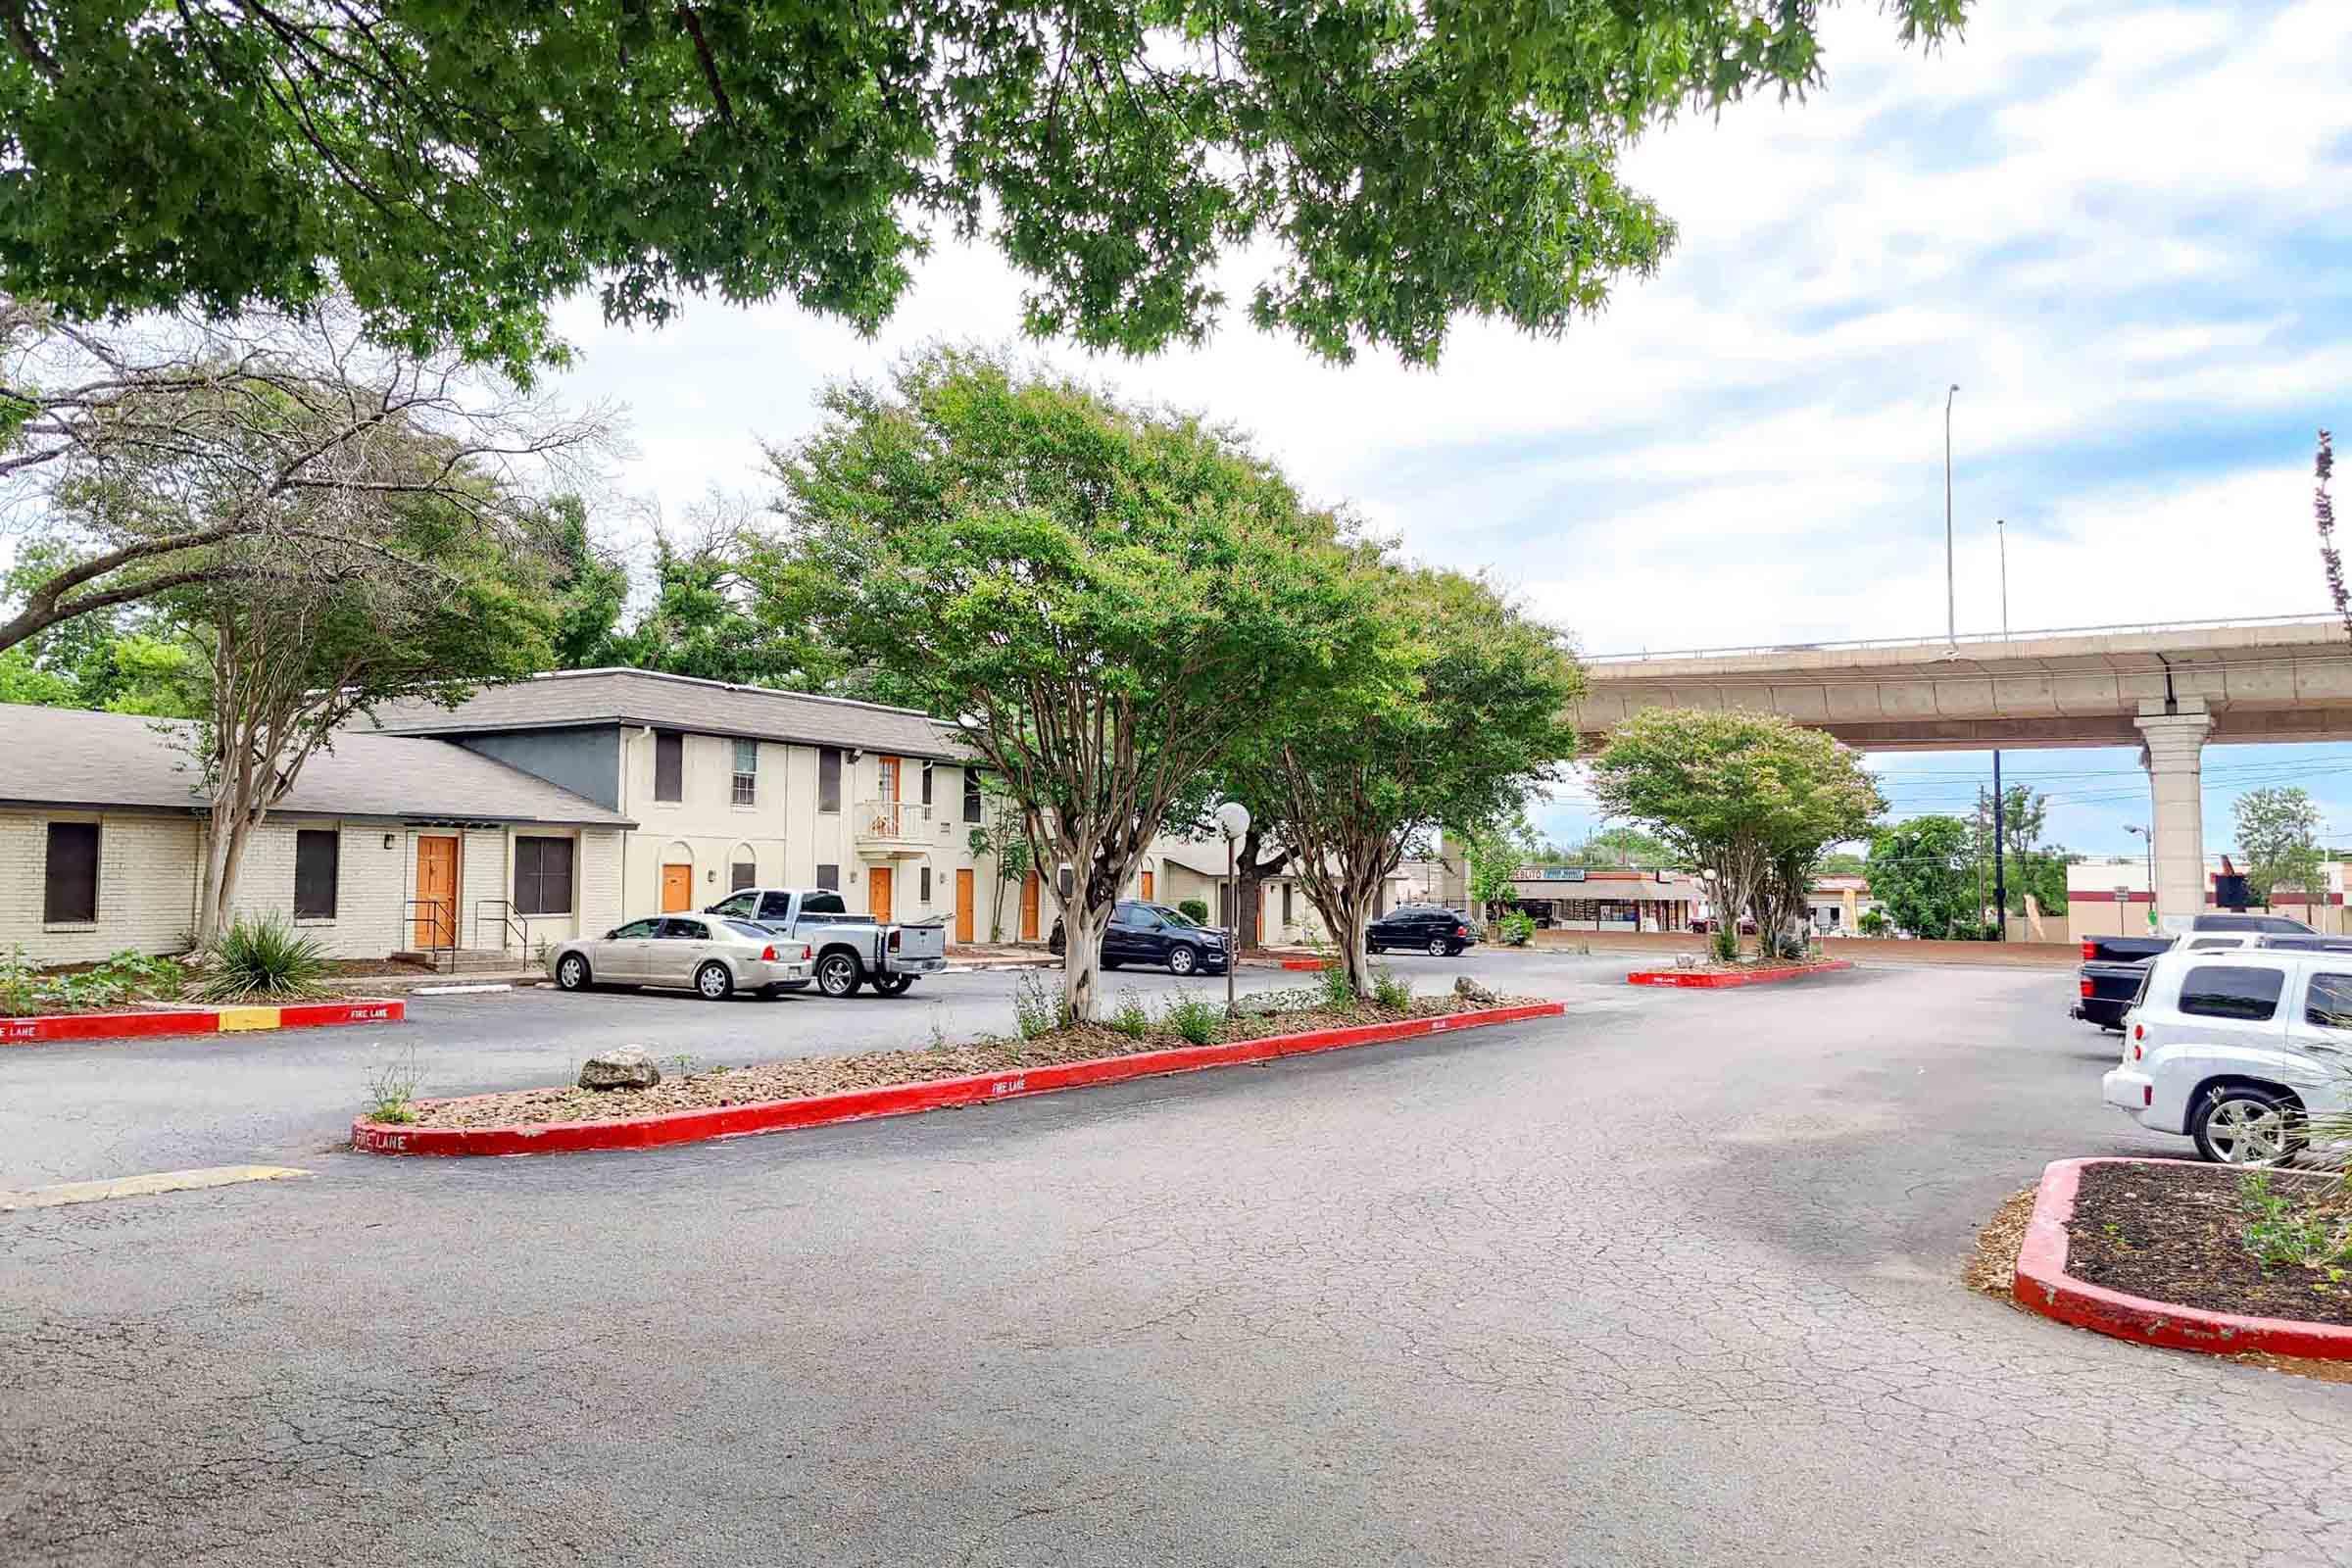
1685,960
628,1067
1468,990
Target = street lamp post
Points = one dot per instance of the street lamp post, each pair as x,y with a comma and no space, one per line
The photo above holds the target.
1233,820
2149,835
2000,858
1951,613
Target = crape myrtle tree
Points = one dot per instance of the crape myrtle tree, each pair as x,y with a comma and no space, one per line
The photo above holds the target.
1749,801
457,165
1103,597
1452,718
171,455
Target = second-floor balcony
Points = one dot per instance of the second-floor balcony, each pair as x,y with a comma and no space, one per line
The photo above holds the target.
893,830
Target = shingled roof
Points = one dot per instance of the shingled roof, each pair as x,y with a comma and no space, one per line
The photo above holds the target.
571,697
67,758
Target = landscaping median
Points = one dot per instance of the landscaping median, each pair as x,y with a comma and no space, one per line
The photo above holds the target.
2193,1257
151,1022
1711,979
737,1102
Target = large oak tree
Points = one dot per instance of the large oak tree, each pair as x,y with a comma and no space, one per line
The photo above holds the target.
457,165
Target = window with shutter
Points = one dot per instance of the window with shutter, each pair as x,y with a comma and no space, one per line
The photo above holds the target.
829,877
828,778
543,876
670,765
971,794
69,895
318,869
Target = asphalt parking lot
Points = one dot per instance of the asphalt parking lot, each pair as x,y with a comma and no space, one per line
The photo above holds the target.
1669,1280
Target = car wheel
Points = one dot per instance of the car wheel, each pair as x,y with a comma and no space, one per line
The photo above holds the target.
1374,949
571,972
2240,1124
1183,962
837,975
1439,948
1454,951
893,985
715,982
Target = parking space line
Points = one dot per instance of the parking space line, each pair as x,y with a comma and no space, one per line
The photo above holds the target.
168,1181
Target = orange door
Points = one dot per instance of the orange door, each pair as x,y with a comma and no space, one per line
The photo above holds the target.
964,906
877,892
436,892
677,888
1029,889
1147,887
889,789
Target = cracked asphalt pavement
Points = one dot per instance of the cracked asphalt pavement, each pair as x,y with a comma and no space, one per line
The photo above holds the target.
1671,1280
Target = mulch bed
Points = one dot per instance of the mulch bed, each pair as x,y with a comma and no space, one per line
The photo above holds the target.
2176,1234
825,1076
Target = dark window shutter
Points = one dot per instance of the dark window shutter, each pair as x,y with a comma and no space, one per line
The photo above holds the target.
971,794
828,778
71,895
926,893
670,765
742,876
318,868
829,877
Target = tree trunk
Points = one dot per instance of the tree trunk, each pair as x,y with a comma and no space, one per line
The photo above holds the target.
1347,935
995,912
1083,925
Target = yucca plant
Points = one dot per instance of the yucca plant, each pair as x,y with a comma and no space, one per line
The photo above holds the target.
261,960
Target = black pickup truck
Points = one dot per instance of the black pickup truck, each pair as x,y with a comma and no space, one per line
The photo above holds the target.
2113,966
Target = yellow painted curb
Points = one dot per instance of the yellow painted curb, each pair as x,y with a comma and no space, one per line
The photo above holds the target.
169,1181
233,1020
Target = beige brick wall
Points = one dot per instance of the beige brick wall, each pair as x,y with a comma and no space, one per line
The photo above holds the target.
370,884
147,869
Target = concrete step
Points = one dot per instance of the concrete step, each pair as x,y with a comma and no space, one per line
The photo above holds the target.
464,960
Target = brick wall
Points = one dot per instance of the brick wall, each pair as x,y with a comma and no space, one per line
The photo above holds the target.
147,869
369,890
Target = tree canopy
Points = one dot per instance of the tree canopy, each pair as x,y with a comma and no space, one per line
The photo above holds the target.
2279,834
1748,800
1101,597
458,166
1926,874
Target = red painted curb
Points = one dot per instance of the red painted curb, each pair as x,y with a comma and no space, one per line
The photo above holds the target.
1696,980
899,1100
152,1022
1315,964
2042,1285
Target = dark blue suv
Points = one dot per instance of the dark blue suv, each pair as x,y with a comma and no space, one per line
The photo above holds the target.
1156,935
1431,928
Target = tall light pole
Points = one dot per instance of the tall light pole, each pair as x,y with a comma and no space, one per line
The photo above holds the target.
2000,855
1951,613
1233,820
2150,836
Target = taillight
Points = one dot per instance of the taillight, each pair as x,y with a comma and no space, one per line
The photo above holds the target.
894,941
2139,1031
1461,930
807,952
2147,1093
2091,952
768,954
2134,1052
2085,985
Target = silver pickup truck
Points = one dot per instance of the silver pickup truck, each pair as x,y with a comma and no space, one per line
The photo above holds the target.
851,950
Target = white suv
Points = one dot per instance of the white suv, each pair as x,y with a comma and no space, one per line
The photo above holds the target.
2235,1048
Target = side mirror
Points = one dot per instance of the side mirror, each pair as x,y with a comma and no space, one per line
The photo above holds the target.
610,935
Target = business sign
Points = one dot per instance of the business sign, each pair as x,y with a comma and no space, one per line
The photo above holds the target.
1562,873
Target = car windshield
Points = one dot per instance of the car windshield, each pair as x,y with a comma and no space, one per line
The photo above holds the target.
1175,917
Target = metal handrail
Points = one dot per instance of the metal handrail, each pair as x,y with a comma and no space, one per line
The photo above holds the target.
509,924
443,914
1969,637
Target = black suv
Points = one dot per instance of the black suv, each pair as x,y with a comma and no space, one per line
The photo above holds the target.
1440,932
1156,935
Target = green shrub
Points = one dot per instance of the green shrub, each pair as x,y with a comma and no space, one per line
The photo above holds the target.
263,957
1194,1021
1196,909
1724,942
1518,928
1131,1018
2279,1237
1338,990
1037,1007
125,978
392,1090
1392,990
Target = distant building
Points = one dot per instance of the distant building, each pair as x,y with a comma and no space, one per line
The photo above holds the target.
2109,896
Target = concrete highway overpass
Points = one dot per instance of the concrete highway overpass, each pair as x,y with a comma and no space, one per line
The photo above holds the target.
2168,689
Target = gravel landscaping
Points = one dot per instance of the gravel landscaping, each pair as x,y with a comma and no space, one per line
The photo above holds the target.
2275,1244
824,1075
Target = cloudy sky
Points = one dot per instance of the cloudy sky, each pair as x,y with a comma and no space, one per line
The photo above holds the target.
2122,229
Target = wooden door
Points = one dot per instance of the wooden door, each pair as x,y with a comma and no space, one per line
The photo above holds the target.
1147,887
964,906
1029,891
677,888
877,892
889,781
436,892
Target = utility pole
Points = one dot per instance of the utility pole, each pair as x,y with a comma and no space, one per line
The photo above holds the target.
2000,855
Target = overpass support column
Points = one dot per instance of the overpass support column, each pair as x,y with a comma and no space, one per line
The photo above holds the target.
2172,744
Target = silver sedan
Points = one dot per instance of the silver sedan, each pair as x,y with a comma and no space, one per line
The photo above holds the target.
708,954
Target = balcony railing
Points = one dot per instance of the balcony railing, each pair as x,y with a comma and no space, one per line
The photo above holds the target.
893,823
